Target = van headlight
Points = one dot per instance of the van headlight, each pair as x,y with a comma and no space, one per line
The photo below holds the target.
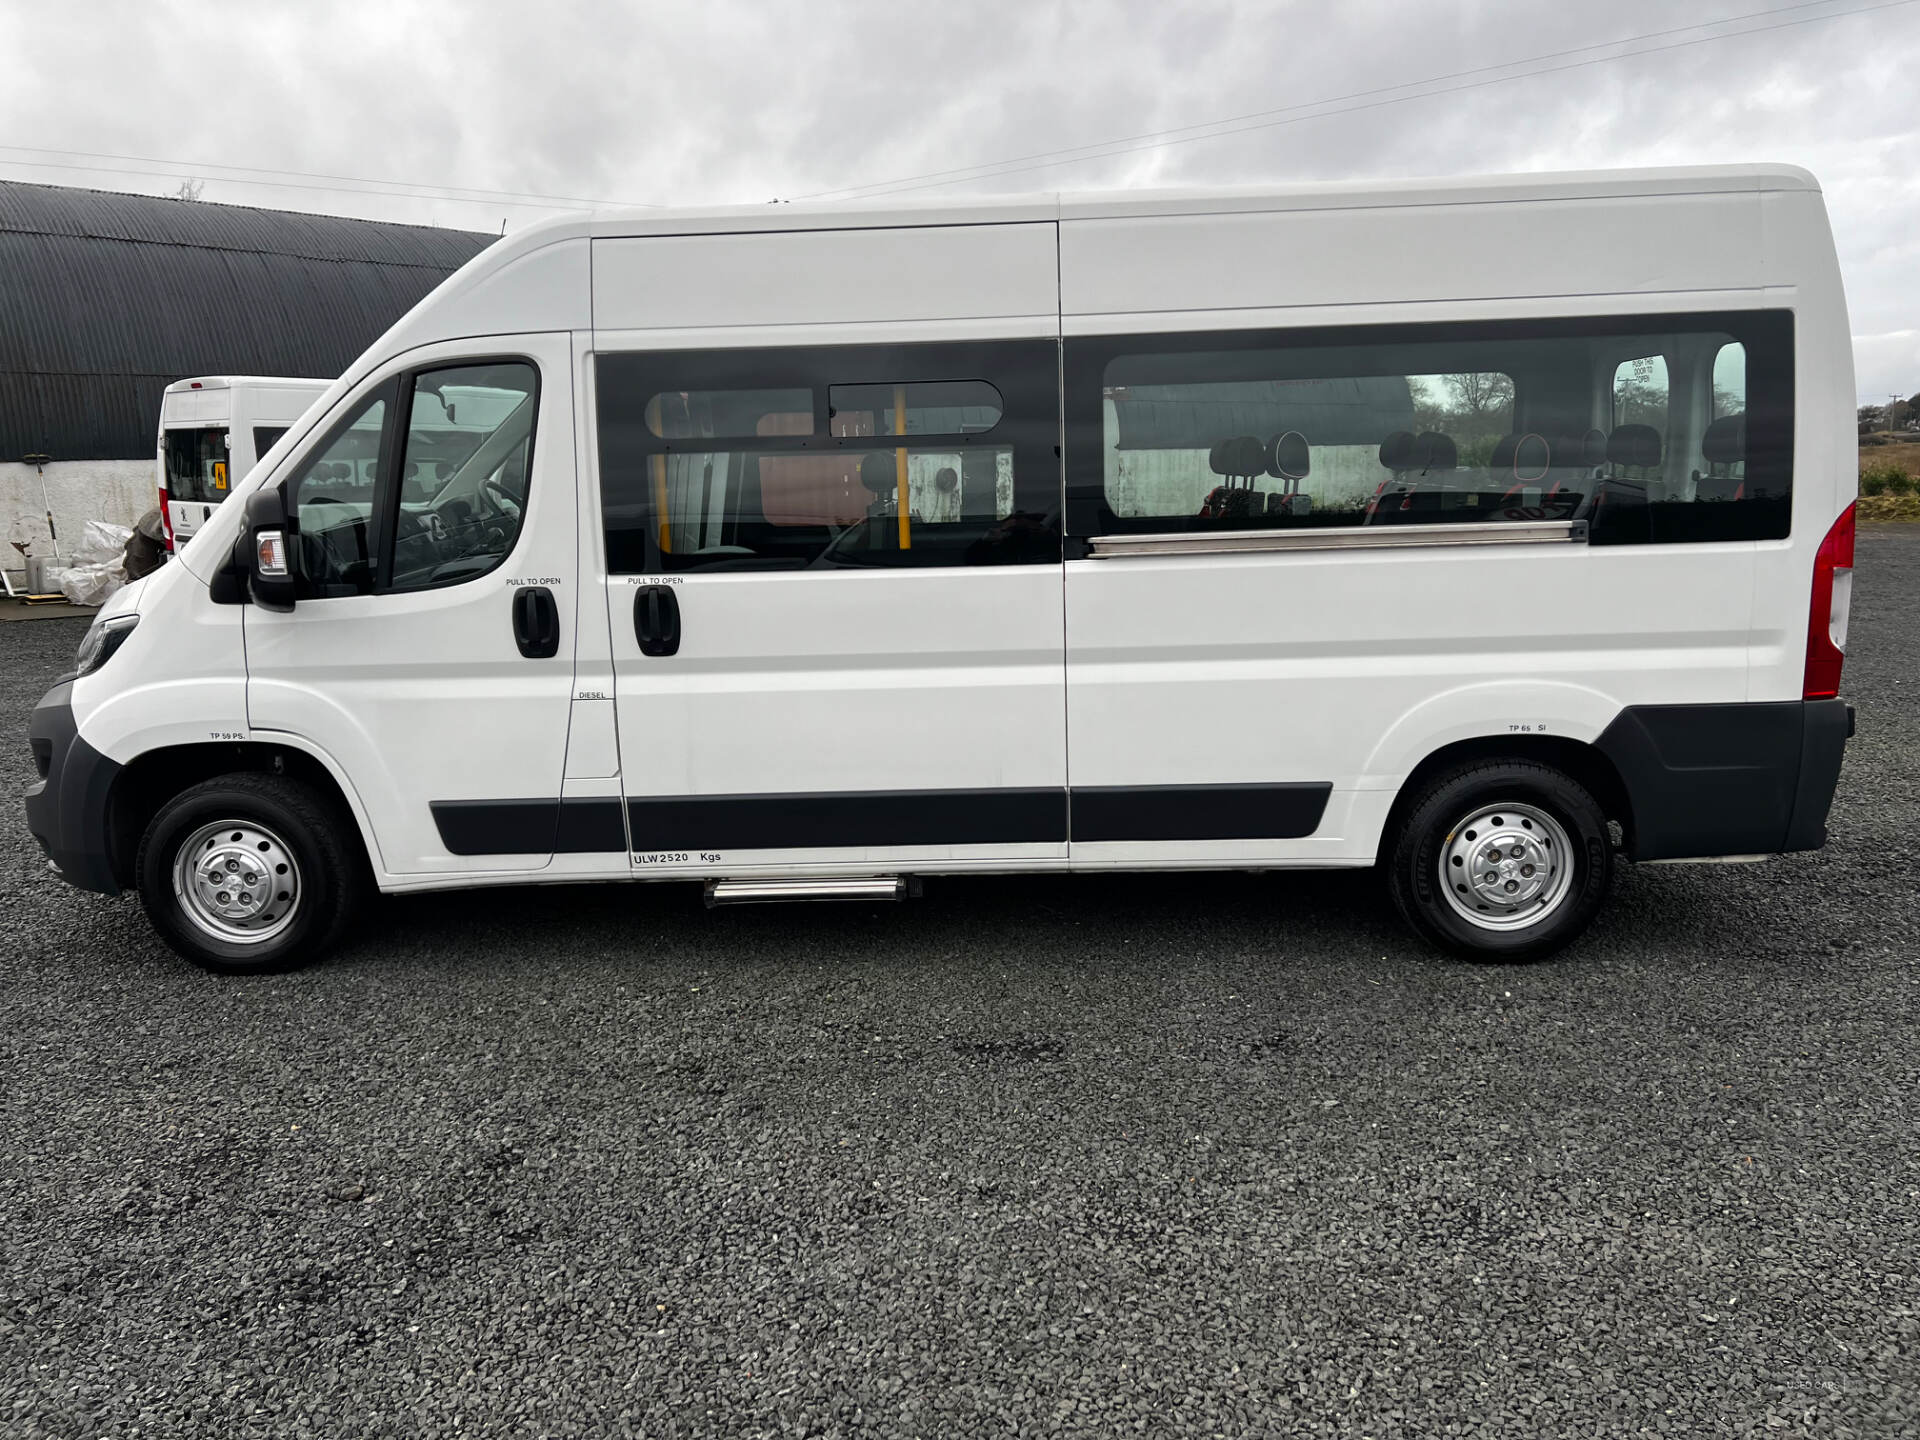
103,637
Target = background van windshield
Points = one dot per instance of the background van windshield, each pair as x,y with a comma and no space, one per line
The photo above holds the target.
197,464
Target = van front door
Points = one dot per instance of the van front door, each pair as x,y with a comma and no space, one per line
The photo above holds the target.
429,656
834,591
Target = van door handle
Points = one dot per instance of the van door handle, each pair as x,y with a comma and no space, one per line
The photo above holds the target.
536,622
656,620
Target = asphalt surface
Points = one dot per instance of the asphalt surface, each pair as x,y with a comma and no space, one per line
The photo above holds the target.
1143,1155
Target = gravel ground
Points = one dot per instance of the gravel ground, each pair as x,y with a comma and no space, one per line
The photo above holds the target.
1172,1155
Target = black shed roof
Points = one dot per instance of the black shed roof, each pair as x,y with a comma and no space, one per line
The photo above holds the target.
107,298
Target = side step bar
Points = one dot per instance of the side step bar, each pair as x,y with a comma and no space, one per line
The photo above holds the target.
857,887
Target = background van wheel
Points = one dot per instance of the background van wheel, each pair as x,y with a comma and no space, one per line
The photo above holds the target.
247,874
1501,860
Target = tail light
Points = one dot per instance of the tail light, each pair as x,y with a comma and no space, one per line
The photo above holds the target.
166,516
1827,615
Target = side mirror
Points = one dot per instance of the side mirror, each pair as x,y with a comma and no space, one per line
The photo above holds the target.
268,546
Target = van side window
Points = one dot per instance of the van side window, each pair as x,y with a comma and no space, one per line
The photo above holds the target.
265,437
728,414
845,458
1633,425
330,498
1730,380
1717,445
1640,392
463,472
954,407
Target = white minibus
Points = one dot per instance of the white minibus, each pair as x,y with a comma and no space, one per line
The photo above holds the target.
1489,532
213,429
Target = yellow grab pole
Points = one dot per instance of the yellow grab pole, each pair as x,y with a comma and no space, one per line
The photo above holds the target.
660,503
900,466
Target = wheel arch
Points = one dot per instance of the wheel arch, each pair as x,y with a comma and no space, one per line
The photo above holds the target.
152,778
1550,721
1578,759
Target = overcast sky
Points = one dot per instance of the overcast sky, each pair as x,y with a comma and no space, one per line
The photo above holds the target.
747,100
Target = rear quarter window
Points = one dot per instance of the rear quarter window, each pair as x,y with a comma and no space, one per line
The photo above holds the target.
1644,429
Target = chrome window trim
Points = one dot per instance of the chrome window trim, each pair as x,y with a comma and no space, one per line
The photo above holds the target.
1344,537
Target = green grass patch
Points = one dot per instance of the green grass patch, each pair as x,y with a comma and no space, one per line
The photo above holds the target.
1888,507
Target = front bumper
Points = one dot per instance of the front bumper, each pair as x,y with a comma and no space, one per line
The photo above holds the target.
67,811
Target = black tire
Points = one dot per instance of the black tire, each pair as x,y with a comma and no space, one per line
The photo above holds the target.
1452,799
324,852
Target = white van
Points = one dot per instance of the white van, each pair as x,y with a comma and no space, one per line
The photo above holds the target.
213,429
1486,531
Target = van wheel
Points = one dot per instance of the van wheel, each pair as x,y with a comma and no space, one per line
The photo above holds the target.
249,874
1501,860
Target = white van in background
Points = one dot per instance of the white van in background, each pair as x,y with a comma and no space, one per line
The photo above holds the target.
1490,532
213,430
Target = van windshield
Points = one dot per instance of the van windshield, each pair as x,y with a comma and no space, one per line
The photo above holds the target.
197,464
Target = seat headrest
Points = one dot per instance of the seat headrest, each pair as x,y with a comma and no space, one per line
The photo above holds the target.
1579,452
1434,451
1636,445
1396,451
1242,455
1523,456
1287,456
879,472
1725,442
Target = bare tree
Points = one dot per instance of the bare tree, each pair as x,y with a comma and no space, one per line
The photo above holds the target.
1481,395
189,189
1639,401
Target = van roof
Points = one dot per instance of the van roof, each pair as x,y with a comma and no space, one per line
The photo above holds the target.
480,299
1306,195
227,382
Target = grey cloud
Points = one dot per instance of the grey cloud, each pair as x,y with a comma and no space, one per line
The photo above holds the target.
731,101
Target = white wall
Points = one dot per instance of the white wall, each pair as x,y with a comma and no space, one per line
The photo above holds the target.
81,490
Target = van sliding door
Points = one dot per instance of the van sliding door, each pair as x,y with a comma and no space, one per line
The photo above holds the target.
833,569
1314,556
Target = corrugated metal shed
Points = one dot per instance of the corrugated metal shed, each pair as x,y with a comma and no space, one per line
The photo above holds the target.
106,298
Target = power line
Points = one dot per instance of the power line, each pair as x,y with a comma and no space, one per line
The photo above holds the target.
1318,114
1126,145
275,184
1040,160
1073,150
469,195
